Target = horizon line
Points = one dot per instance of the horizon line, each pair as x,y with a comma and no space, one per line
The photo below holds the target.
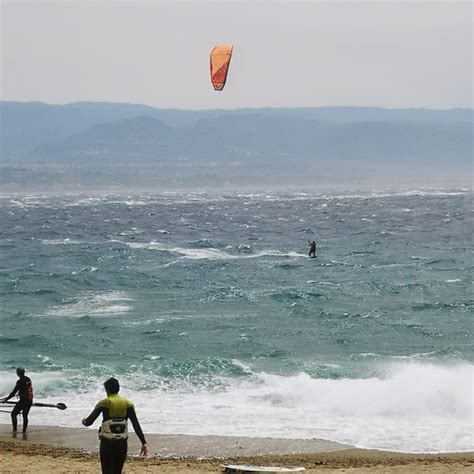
375,107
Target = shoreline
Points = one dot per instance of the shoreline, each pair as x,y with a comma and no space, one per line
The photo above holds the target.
56,449
176,445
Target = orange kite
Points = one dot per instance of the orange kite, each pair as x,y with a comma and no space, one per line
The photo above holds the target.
220,60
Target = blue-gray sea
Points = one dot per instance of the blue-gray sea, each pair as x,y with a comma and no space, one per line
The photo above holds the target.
208,310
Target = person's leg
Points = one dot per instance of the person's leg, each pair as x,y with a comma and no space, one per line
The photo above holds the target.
112,455
119,456
15,412
106,456
26,410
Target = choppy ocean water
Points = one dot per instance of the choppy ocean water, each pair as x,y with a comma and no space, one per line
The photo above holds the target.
207,309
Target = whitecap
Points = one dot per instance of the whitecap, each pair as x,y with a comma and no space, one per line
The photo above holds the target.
65,241
93,303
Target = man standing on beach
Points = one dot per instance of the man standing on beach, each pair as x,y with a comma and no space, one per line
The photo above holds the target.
25,392
113,433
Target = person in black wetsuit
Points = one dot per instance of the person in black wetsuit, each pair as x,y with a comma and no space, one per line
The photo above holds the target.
24,388
113,433
312,248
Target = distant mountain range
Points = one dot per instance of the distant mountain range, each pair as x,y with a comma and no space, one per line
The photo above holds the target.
345,140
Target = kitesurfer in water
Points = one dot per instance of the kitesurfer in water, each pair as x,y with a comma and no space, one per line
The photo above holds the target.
24,388
312,248
113,433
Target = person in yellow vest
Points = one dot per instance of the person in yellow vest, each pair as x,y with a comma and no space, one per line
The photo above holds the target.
113,433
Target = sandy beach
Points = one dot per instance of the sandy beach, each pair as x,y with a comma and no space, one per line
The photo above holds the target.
61,450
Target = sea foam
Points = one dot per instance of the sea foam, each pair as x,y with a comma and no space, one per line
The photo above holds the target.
414,408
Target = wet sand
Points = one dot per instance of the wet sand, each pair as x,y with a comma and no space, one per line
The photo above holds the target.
60,450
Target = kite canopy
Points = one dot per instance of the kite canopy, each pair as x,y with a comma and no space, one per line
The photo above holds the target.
220,60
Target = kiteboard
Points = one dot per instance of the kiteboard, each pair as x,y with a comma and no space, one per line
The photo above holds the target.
246,469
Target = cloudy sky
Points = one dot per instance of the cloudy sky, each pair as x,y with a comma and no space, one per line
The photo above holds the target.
286,53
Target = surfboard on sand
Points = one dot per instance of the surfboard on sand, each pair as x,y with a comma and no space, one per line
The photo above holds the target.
246,469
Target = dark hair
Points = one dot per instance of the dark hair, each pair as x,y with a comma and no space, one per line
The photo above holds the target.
20,371
112,385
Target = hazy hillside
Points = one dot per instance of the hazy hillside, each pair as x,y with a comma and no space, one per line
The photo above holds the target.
27,126
134,140
248,145
267,139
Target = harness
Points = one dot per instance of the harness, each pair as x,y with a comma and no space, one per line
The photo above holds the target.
114,428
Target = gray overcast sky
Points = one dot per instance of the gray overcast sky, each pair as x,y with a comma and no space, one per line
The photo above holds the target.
286,53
